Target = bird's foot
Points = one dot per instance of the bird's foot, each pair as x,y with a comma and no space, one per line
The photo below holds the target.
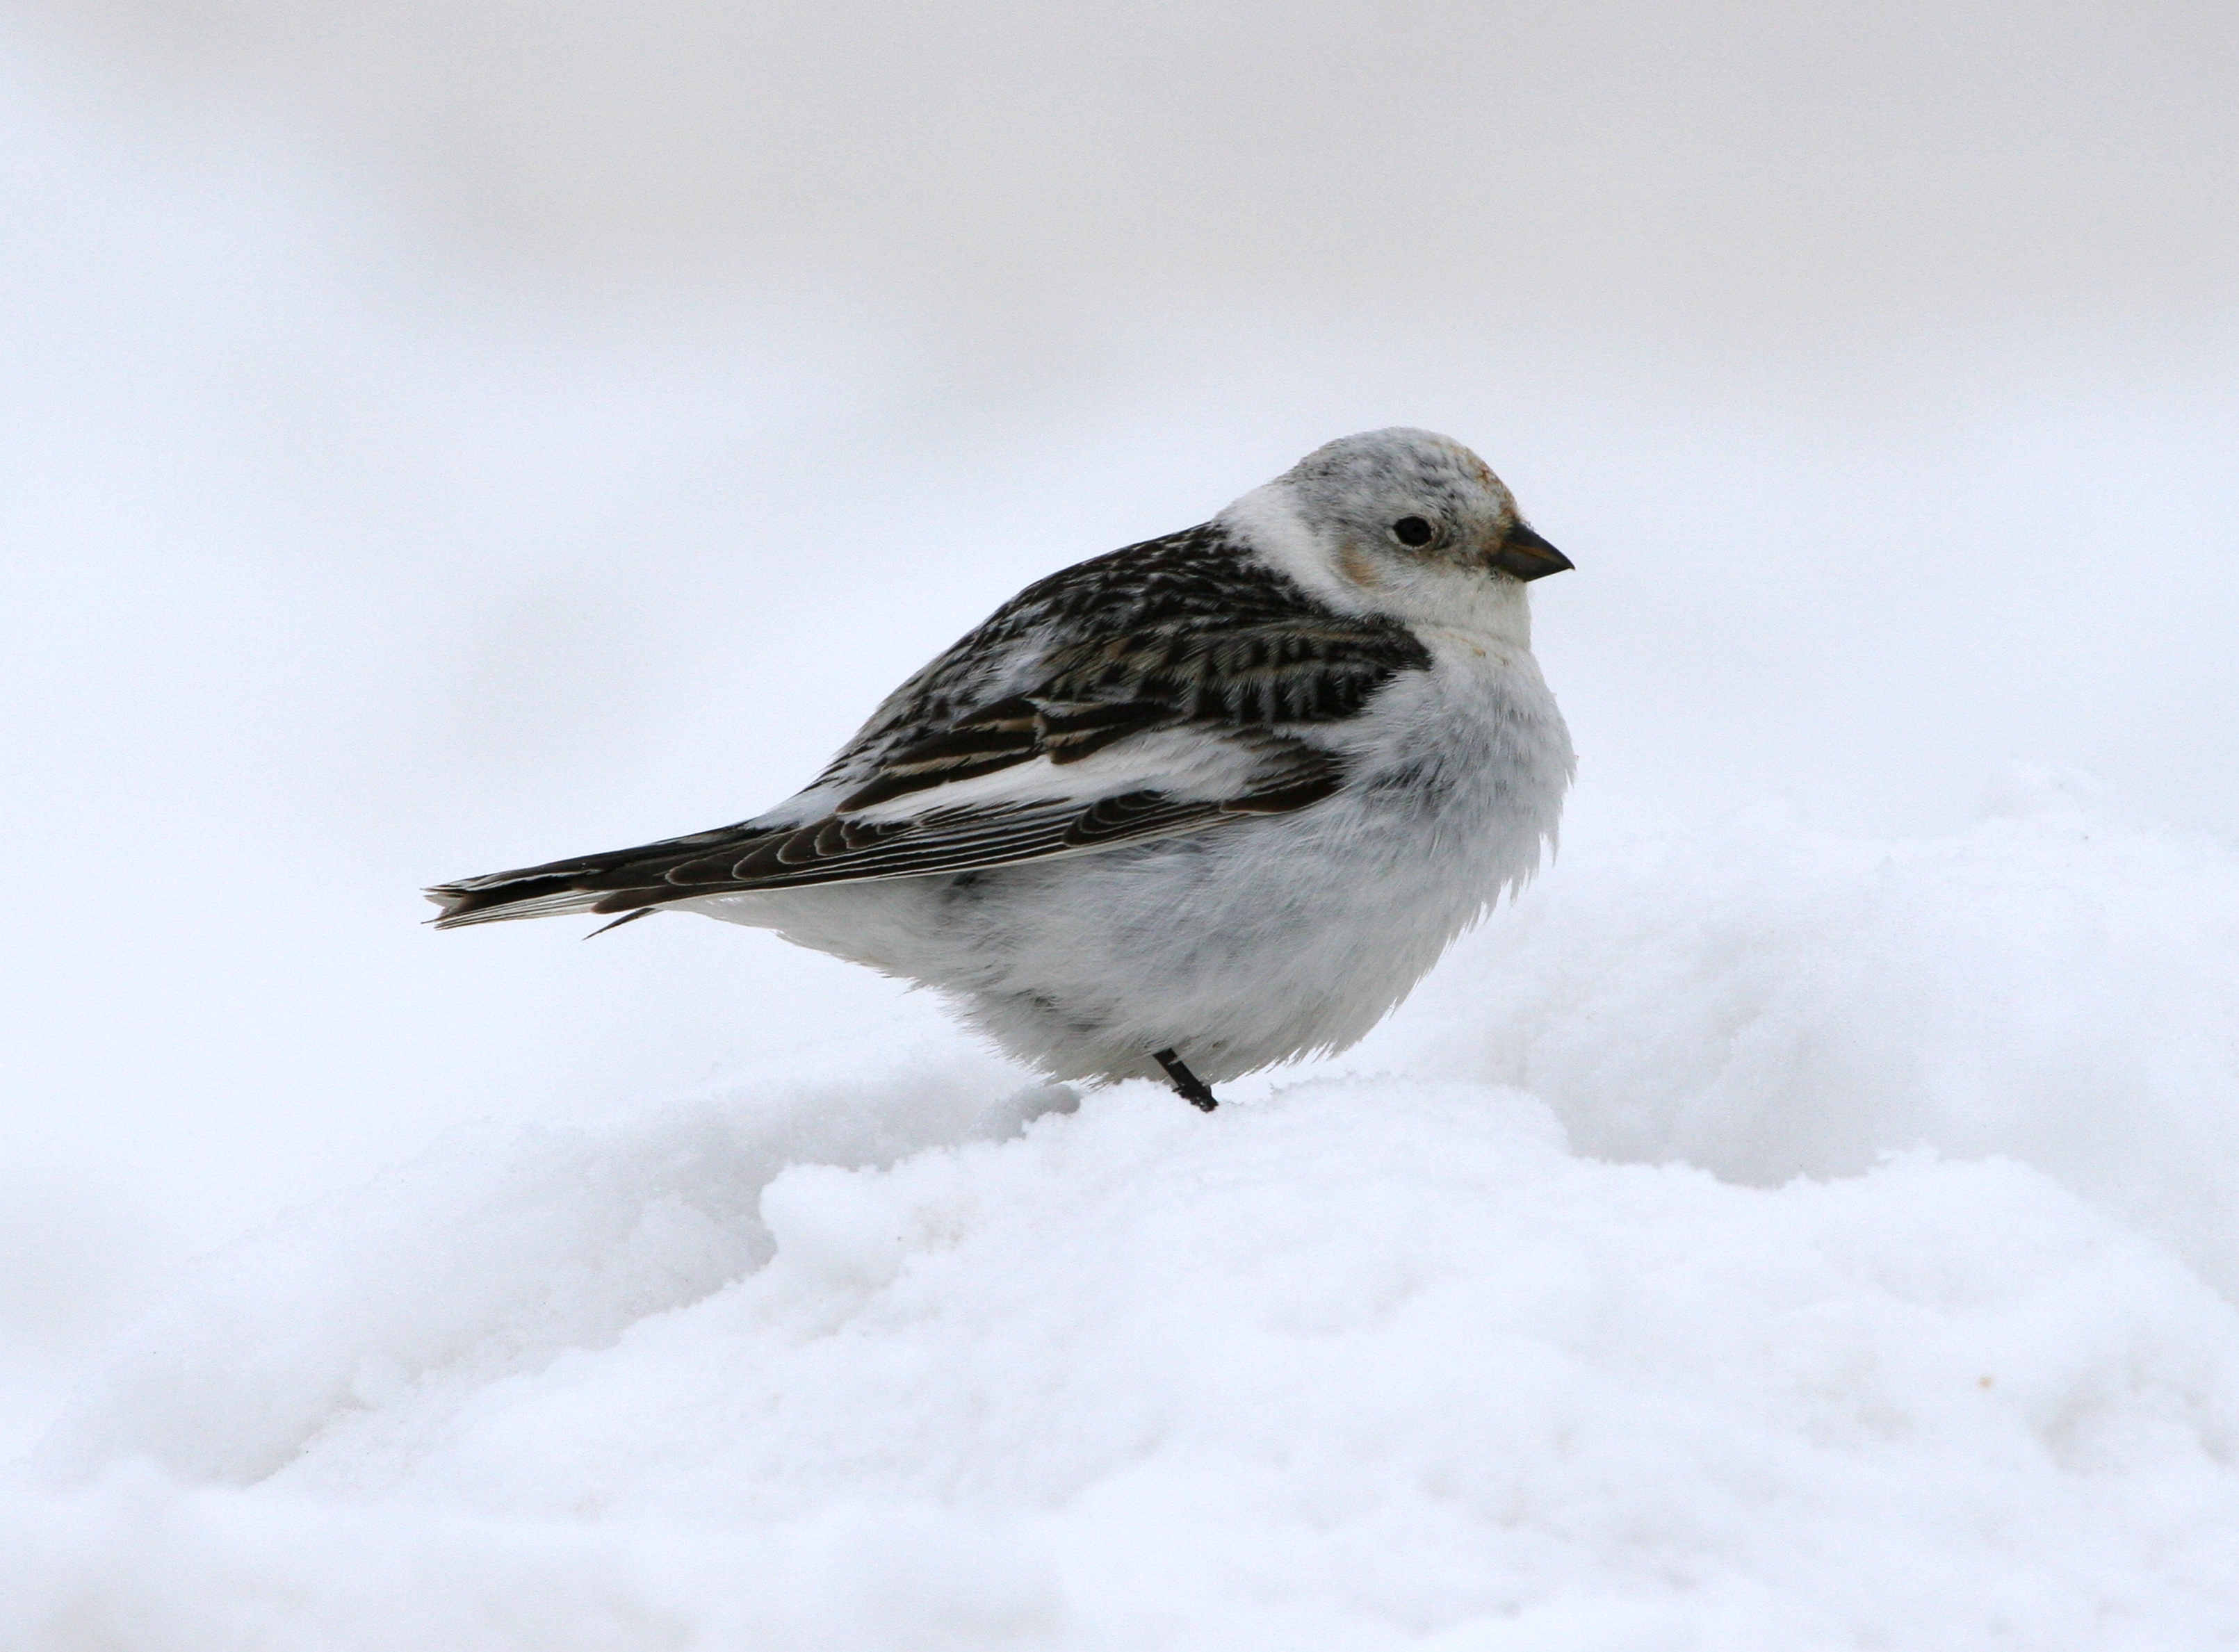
1191,1089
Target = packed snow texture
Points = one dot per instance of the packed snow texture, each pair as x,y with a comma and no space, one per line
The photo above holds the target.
1765,1239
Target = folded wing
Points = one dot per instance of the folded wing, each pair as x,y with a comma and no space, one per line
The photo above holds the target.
1014,782
1168,688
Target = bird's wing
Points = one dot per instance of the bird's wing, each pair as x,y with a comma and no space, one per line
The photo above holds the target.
1179,720
1015,781
1192,621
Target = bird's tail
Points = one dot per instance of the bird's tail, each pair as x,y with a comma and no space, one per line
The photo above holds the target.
621,881
495,899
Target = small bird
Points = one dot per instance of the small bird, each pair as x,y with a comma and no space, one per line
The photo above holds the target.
1201,805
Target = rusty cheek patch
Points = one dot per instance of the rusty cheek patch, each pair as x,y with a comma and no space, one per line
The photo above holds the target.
1355,564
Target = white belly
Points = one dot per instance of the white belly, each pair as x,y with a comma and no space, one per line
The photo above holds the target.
1249,944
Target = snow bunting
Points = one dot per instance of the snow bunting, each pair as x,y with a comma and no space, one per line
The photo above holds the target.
1209,803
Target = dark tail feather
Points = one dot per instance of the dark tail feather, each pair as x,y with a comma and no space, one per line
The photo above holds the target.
624,880
530,898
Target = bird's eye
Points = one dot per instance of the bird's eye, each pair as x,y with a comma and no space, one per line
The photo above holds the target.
1412,530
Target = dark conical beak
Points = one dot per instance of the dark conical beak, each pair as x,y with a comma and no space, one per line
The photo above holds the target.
1527,556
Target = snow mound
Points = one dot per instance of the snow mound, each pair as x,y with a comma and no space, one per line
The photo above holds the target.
928,1360
2058,982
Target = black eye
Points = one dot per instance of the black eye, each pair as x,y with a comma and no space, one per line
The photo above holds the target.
1412,530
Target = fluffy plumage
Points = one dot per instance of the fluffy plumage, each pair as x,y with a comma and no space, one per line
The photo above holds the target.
1227,793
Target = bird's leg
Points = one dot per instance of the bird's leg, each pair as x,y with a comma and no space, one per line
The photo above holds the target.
1191,1089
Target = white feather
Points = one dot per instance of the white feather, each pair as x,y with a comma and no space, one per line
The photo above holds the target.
1183,763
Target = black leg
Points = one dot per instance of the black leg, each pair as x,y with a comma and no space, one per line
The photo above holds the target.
1193,1089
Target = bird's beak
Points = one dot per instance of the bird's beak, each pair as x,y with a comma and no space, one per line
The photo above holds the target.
1527,556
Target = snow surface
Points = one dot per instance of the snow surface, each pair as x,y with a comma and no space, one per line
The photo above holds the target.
1757,1239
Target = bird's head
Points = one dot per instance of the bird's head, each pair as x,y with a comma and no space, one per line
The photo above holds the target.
1404,523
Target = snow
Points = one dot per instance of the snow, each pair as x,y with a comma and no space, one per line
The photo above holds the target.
1757,1237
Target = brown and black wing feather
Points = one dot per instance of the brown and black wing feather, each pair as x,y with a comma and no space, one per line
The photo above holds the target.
1190,621
1179,634
842,849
